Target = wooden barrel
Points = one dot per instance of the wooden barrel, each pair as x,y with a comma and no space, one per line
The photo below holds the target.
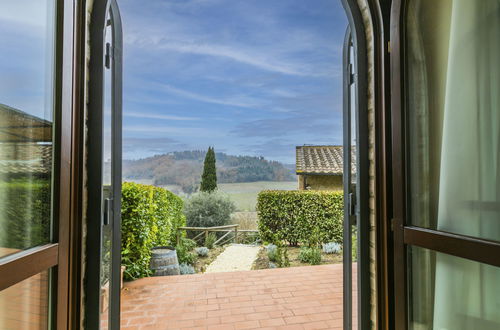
164,261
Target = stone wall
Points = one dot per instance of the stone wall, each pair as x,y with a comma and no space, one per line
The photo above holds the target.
370,52
320,182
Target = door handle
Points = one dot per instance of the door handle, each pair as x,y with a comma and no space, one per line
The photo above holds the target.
352,209
108,211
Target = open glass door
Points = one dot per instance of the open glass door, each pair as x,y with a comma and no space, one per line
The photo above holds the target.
105,112
35,163
357,293
349,186
446,163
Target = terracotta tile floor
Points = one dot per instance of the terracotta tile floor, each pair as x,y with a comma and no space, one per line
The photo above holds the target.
287,298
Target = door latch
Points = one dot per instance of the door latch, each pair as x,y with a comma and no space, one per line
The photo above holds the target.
107,57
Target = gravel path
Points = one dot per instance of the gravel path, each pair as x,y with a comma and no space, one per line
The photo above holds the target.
234,258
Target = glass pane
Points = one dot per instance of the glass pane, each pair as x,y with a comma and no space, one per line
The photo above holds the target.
26,116
453,102
447,292
25,304
107,181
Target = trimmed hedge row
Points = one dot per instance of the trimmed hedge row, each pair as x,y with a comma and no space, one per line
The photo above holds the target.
294,216
24,213
150,217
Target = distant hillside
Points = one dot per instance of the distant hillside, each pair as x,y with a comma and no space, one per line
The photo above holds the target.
184,168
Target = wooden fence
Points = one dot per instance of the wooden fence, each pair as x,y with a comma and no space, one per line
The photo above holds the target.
224,239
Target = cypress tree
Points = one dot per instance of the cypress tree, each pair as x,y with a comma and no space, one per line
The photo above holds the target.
209,176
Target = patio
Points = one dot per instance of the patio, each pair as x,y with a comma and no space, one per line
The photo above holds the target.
286,298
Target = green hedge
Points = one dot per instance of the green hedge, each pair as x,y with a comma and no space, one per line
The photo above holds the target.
150,217
24,213
295,216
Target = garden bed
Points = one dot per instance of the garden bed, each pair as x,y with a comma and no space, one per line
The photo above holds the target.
262,261
201,263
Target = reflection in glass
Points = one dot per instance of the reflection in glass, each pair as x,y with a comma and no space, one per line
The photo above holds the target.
453,102
25,304
26,115
107,175
453,94
451,292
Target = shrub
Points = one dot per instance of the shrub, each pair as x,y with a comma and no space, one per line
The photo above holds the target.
292,216
332,247
189,244
169,216
184,254
202,251
150,217
208,210
272,252
186,269
210,240
278,255
310,255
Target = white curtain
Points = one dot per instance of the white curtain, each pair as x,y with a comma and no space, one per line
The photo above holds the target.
467,294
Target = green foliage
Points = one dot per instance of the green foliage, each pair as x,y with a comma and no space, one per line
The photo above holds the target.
208,210
209,176
311,255
184,254
169,216
150,217
354,241
189,244
278,254
210,240
25,213
291,216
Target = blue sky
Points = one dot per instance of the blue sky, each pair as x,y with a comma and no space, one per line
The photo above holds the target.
26,68
248,77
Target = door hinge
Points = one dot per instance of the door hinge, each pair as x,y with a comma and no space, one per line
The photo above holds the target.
389,46
392,224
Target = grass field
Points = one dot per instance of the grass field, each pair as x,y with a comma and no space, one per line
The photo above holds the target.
244,194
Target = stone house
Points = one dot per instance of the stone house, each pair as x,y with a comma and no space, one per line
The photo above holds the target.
319,167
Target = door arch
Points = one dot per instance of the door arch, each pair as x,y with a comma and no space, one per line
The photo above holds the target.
103,261
356,196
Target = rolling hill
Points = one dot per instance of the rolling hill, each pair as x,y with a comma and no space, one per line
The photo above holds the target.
184,168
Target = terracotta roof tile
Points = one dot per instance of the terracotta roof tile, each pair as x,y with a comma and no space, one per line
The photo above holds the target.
320,160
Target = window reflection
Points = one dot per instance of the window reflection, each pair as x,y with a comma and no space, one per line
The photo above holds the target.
26,115
25,304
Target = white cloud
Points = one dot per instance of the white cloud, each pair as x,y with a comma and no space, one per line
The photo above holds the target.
158,116
145,130
241,101
273,58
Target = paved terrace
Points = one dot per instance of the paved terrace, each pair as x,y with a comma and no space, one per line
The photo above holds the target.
288,298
